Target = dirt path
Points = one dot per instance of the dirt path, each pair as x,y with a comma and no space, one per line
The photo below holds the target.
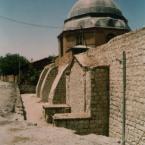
14,132
33,108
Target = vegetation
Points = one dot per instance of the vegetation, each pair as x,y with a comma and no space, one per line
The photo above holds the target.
14,64
28,73
11,64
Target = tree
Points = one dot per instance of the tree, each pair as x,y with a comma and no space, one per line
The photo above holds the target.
11,64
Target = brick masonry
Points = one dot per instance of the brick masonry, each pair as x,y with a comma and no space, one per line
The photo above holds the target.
100,100
134,45
57,93
47,82
87,91
88,95
111,55
50,110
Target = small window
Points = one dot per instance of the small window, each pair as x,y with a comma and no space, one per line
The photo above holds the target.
109,37
79,39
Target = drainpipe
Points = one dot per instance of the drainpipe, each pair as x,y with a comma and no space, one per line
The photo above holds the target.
85,101
124,99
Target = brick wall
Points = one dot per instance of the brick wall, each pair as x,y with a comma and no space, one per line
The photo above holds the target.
93,37
134,45
88,95
60,92
57,93
79,125
47,83
100,100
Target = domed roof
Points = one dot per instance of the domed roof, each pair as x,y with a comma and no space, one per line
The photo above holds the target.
94,6
95,13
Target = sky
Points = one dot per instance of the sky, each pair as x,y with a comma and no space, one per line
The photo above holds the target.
39,42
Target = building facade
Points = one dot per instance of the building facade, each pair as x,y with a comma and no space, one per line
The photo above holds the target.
99,72
90,24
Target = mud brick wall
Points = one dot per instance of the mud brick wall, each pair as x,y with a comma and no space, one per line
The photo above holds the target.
134,45
50,111
58,89
60,92
100,100
47,83
88,92
80,126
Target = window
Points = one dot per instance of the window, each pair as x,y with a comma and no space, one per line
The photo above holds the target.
109,37
79,39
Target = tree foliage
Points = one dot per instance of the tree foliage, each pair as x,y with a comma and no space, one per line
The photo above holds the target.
11,64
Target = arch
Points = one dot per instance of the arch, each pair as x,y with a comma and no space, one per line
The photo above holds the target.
48,81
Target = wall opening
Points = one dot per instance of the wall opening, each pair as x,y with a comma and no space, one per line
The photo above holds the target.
79,39
109,37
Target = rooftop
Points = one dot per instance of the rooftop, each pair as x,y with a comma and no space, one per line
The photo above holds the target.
95,13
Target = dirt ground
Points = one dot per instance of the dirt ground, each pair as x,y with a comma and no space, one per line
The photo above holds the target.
7,99
35,131
33,108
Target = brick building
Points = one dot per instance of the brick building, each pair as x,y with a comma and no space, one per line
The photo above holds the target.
97,83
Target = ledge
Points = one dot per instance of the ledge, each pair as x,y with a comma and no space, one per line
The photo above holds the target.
45,106
51,109
69,116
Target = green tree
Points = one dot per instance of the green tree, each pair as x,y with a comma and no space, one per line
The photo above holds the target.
11,64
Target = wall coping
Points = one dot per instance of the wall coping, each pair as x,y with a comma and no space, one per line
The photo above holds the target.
67,116
47,105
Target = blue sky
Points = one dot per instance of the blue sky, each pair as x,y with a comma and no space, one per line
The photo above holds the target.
36,43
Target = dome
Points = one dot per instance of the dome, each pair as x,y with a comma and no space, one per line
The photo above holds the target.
95,13
94,6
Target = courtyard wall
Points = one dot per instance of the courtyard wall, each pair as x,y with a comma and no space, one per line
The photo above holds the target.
110,54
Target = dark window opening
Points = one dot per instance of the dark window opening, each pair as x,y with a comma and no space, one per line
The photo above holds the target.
79,39
78,51
109,37
111,23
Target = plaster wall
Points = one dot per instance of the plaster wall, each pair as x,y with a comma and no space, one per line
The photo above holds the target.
76,89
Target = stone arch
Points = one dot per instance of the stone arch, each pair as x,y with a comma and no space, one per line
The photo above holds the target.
47,83
40,81
57,93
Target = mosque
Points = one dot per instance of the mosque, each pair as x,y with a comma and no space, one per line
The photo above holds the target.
90,24
96,85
